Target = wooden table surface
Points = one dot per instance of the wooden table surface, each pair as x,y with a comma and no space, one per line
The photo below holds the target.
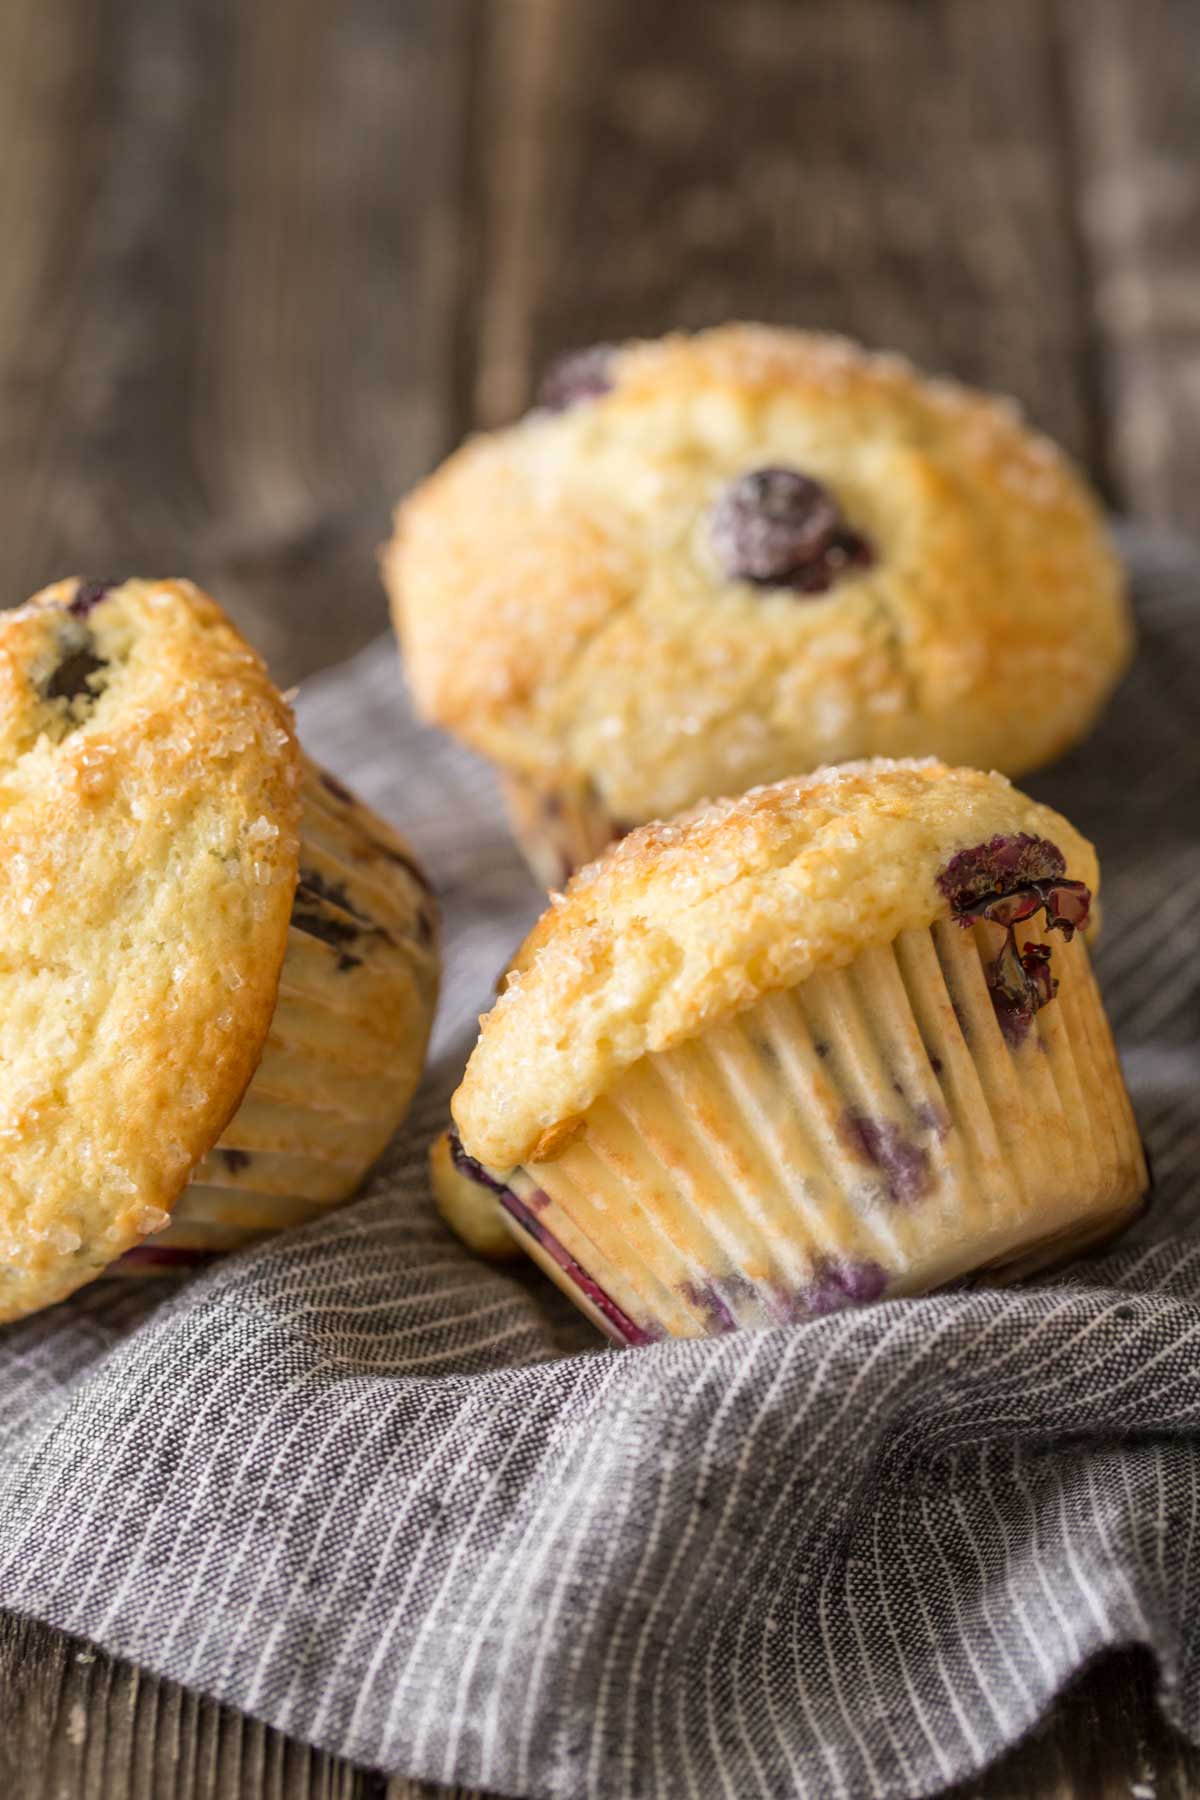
262,262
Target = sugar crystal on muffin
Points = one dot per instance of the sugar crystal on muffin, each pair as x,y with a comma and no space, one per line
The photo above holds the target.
805,1058
184,1063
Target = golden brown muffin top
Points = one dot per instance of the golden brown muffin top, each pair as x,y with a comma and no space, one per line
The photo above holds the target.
589,594
148,856
682,924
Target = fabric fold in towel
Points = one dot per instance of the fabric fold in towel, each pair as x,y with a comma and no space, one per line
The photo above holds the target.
406,1506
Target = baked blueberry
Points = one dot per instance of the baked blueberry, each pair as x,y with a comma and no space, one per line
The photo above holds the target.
934,1098
595,598
88,595
71,678
1006,882
576,376
779,528
184,1072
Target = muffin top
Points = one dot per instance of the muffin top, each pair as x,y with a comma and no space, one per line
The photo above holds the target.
717,560
148,850
682,924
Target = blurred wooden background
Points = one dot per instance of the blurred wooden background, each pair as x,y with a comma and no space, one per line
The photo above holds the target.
262,262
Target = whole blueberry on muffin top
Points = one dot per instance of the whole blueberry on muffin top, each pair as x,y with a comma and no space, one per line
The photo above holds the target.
718,560
779,528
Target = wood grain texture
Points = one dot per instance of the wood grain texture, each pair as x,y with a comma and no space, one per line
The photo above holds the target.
228,326
1105,1740
77,1725
1133,78
266,259
897,172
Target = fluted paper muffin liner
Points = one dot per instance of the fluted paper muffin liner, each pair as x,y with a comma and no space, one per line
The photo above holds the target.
345,1048
559,826
872,1132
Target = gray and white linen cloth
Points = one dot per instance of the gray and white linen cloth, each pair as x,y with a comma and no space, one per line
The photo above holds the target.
402,1505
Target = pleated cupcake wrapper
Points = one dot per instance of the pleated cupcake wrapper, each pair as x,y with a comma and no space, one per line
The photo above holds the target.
866,1134
559,826
346,1043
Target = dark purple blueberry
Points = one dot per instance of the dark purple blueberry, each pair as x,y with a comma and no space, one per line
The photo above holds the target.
1067,906
834,1284
1006,975
1010,909
576,376
316,908
166,1256
313,882
713,1306
1035,960
902,1163
236,1160
474,1171
1006,881
1021,984
89,594
837,1284
323,925
69,680
775,527
1001,865
862,1281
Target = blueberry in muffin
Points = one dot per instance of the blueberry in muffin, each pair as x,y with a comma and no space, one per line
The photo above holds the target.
219,969
718,560
832,1042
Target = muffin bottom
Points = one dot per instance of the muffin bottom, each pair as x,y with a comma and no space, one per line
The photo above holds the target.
559,826
345,1048
870,1133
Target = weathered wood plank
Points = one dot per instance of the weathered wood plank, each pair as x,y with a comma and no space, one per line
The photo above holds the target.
1133,76
228,327
1105,1740
893,171
76,1723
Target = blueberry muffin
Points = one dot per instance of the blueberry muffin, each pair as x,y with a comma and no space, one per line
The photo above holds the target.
218,969
466,1199
833,1041
719,560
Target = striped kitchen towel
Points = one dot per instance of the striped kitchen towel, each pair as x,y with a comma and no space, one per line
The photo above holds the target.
407,1507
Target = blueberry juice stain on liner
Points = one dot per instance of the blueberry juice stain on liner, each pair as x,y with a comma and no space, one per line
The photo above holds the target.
620,1327
807,1156
616,1323
323,1100
1006,882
